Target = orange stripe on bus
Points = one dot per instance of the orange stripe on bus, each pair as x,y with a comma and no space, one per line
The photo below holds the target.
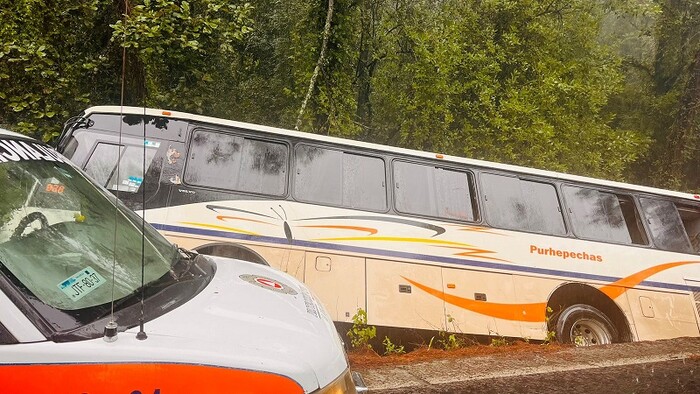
618,287
365,229
213,226
142,378
224,218
520,312
536,312
398,239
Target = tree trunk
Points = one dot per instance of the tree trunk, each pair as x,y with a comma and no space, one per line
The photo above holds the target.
684,136
319,63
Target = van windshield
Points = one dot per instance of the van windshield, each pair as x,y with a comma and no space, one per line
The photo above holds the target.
58,242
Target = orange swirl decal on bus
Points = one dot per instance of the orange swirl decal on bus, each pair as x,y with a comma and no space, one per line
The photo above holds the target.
146,378
477,229
225,228
369,230
618,287
398,239
225,218
467,250
535,312
474,252
521,312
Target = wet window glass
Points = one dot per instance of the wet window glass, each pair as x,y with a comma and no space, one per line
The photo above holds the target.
233,162
519,204
339,178
102,166
603,216
79,236
665,225
102,162
432,191
134,125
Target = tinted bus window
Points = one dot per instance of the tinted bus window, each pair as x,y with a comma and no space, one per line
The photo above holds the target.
666,226
431,191
236,163
518,204
102,166
334,177
102,162
603,216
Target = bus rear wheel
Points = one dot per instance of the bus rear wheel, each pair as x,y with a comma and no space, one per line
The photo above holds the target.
584,325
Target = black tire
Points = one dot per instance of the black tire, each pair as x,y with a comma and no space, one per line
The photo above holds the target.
584,325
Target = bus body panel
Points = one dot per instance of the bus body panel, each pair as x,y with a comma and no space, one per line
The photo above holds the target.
415,271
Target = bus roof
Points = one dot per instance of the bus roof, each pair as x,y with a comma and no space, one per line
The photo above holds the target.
386,148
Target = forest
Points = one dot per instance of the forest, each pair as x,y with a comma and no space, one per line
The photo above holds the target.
602,88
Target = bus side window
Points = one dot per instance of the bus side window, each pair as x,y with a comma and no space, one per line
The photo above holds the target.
673,227
227,161
520,204
334,177
433,191
692,226
604,216
102,165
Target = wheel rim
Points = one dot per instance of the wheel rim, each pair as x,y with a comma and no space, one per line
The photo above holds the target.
588,332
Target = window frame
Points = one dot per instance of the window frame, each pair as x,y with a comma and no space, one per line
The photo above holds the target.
633,197
126,145
676,202
472,183
343,150
525,177
263,137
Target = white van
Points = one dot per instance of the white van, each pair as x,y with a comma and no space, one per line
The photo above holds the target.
71,266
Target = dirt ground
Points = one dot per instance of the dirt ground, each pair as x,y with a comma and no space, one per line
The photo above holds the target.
668,366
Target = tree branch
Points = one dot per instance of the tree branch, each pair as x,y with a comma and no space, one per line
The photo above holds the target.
321,58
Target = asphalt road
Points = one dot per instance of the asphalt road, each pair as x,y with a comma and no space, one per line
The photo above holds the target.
671,366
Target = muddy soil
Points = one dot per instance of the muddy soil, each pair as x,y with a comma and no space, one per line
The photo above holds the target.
669,366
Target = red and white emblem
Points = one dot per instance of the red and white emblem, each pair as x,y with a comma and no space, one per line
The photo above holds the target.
268,283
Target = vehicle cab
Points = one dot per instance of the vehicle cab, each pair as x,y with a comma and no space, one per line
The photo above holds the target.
94,300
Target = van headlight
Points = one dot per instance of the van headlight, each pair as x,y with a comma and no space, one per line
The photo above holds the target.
342,385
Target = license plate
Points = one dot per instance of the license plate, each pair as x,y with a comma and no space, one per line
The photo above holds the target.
81,283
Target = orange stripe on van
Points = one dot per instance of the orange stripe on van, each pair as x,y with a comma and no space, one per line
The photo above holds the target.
129,378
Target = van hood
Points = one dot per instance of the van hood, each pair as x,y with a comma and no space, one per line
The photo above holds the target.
253,317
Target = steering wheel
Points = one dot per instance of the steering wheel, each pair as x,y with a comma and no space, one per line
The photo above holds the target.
27,220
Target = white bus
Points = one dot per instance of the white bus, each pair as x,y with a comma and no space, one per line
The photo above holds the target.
418,240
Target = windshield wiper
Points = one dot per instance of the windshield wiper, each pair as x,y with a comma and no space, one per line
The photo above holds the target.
183,265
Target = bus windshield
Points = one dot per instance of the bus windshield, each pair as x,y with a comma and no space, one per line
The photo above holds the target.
58,242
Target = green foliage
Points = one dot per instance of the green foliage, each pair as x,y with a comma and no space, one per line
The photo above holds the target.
47,60
187,48
391,348
499,342
599,88
360,334
450,341
551,334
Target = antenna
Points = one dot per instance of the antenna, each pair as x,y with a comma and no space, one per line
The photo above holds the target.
111,329
142,334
